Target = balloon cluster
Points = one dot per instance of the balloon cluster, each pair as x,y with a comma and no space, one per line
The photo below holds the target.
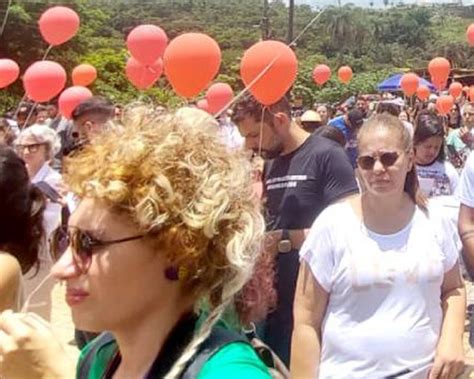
190,63
322,73
43,80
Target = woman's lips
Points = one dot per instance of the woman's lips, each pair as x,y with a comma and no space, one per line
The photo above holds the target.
75,296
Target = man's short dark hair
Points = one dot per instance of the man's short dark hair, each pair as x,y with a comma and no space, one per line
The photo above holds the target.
390,108
25,110
95,106
356,118
248,106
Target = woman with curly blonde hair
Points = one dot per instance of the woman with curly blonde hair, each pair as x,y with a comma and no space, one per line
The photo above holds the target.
167,221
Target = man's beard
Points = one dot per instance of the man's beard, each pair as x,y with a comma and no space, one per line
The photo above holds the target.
272,153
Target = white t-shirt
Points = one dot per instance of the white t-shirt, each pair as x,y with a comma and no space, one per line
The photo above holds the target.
465,190
437,179
384,311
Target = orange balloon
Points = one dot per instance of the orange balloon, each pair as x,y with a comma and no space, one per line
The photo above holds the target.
58,25
470,34
423,92
147,43
9,72
70,98
43,80
439,69
218,96
269,69
141,76
203,105
455,89
345,74
191,61
409,83
444,104
84,75
321,74
471,94
439,83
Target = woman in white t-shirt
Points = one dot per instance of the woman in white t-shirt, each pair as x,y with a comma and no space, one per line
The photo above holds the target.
379,291
437,176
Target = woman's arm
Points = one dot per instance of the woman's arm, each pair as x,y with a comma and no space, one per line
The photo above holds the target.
10,273
449,361
309,310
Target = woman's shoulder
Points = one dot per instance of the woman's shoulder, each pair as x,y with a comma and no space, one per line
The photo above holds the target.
10,277
235,360
10,267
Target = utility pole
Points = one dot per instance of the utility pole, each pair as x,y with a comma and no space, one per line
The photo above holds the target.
265,22
291,16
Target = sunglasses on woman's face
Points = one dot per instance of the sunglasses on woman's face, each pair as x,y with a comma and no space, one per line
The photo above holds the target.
367,162
83,245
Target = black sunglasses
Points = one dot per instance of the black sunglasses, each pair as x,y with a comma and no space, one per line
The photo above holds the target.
367,162
82,244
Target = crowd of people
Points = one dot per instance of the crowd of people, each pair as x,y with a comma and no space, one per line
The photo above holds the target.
331,242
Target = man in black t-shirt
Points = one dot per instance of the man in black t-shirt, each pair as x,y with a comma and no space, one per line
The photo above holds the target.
303,174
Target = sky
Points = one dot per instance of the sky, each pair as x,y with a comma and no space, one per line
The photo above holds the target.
377,3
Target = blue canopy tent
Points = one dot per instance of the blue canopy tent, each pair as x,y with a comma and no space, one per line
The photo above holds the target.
393,84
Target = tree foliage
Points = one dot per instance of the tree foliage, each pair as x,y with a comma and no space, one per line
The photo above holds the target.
373,42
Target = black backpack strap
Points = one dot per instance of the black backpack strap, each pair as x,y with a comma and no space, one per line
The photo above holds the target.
84,366
218,339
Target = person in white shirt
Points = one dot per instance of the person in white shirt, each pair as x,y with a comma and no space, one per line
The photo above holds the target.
437,176
37,145
465,194
379,291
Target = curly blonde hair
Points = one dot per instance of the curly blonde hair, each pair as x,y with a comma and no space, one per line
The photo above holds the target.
188,192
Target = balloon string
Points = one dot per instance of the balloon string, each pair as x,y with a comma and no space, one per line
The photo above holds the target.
47,52
268,67
4,23
26,305
29,115
260,137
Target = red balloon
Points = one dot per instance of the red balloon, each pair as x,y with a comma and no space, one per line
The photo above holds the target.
141,76
345,74
423,92
269,69
147,43
409,83
470,34
203,105
191,61
444,104
321,74
84,75
9,72
218,96
439,69
455,89
58,25
439,83
71,98
44,80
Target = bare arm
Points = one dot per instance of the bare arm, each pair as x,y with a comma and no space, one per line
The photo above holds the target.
449,361
309,310
466,231
9,281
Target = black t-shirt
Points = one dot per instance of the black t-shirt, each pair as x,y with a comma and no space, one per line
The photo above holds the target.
299,185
